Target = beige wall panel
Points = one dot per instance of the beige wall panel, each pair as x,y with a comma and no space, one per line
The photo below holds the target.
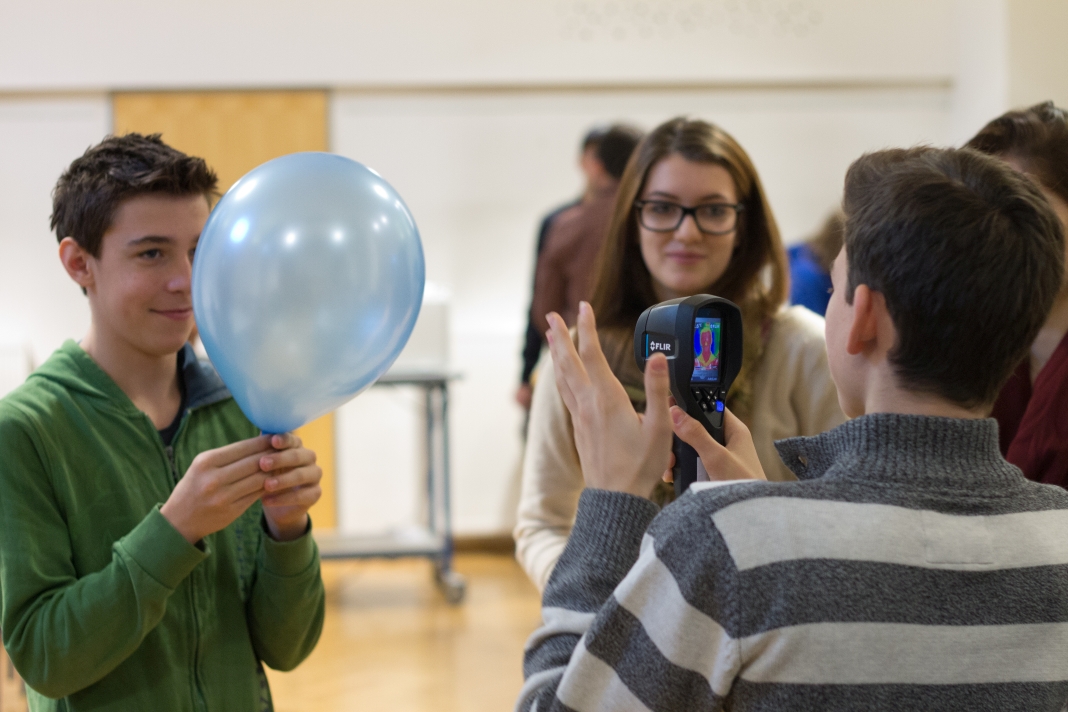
235,132
1038,54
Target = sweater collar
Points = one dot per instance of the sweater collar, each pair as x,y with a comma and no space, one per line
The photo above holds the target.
923,451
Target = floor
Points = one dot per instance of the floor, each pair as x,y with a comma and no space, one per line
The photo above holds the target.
391,642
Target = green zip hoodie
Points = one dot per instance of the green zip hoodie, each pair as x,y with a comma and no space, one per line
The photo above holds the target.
103,604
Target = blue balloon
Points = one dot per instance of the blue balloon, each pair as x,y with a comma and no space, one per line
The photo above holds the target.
307,281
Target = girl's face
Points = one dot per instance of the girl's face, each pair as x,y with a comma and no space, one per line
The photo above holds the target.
687,261
706,341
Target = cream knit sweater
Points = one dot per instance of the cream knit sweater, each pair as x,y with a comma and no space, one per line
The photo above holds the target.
792,395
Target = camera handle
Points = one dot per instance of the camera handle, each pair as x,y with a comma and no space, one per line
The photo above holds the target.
688,467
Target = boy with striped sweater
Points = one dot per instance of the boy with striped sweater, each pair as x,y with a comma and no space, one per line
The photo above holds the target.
910,567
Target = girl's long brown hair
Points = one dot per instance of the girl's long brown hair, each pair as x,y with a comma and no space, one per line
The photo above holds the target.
756,278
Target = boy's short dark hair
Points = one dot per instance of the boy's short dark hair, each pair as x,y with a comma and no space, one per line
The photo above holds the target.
120,167
969,256
613,146
616,146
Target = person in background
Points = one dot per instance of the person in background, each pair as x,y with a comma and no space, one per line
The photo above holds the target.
810,265
1032,409
570,238
691,217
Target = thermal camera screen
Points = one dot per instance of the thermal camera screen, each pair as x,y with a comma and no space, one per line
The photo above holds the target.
706,332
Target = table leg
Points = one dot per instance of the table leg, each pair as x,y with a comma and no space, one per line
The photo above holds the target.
452,584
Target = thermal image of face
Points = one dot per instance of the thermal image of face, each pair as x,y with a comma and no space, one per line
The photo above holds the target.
707,358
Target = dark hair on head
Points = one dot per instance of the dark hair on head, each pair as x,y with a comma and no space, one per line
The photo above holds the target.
969,256
615,148
1036,138
624,287
593,137
89,192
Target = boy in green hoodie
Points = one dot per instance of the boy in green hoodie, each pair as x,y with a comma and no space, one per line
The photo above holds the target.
155,549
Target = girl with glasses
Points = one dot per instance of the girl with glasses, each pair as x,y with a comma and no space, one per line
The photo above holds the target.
691,217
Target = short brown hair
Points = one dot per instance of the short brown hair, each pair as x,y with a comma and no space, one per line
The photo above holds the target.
1037,138
969,256
89,192
615,146
624,287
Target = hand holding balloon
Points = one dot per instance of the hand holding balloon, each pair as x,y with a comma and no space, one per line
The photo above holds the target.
217,488
307,282
221,484
291,488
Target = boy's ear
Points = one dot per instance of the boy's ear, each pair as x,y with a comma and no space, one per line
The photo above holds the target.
76,261
864,330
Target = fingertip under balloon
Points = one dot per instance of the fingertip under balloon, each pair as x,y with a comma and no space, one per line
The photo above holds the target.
274,440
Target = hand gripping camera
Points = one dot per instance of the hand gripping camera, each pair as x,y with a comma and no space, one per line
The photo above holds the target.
701,336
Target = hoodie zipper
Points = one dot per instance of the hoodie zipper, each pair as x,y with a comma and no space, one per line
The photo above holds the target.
169,450
194,577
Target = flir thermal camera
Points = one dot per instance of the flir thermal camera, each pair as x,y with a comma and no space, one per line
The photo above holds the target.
701,336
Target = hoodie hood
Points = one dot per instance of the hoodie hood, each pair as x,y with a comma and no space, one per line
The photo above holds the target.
74,370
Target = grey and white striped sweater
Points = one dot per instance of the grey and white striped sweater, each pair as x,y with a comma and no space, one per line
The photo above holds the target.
911,568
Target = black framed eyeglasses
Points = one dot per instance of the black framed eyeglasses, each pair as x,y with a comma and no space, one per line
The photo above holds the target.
711,218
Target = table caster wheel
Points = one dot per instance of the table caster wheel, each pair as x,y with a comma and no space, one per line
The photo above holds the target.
453,586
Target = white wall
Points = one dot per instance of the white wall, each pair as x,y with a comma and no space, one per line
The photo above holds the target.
981,85
39,137
472,109
380,461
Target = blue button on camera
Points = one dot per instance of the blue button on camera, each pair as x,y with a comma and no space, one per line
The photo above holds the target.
719,406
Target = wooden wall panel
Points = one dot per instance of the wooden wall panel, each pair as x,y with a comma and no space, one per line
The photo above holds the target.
235,132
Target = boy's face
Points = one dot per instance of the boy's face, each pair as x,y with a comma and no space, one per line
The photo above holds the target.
845,370
139,285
